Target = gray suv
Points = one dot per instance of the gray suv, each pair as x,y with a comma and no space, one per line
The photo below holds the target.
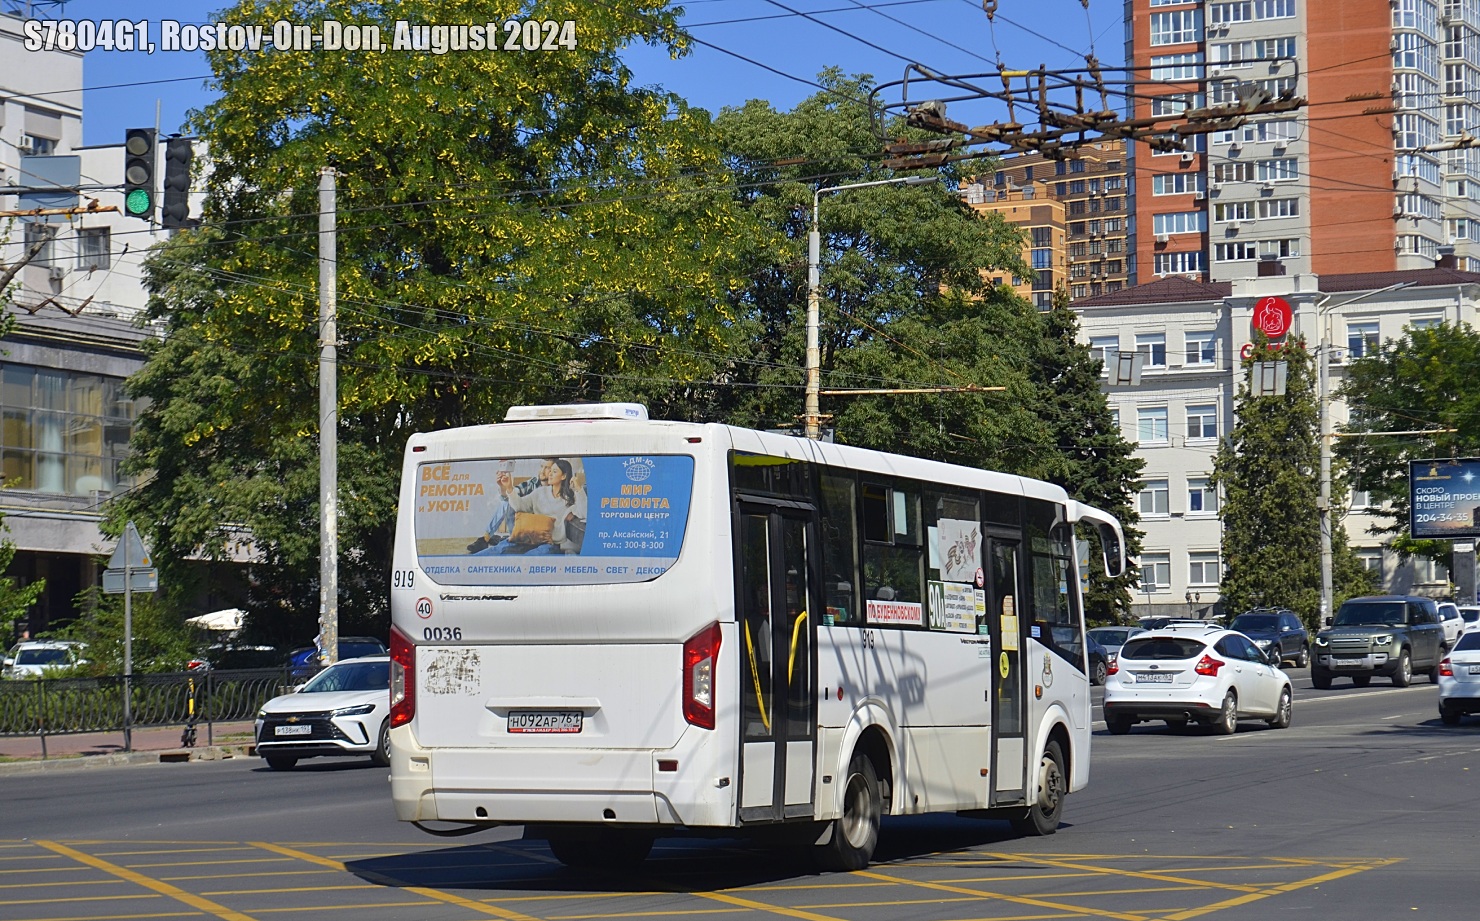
1390,635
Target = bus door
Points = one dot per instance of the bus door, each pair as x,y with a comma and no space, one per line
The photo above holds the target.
1009,695
777,550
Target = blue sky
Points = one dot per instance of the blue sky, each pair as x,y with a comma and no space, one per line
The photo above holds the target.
878,37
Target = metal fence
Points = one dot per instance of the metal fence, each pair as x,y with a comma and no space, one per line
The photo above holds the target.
64,706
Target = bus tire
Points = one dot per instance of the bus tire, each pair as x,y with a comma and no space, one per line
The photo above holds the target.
1042,818
855,833
610,849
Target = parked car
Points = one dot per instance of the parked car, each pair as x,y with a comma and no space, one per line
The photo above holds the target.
1185,674
343,710
1452,621
1112,638
1459,680
1390,635
232,656
34,658
1277,631
1471,615
1158,623
303,661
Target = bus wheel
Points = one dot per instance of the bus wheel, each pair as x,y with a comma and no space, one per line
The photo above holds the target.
609,849
856,833
1042,818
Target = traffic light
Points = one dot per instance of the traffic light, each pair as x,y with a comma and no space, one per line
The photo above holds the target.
138,173
175,212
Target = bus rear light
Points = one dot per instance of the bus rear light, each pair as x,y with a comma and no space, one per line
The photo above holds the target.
699,654
403,678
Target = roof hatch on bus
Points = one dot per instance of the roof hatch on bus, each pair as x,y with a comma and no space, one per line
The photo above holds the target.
632,411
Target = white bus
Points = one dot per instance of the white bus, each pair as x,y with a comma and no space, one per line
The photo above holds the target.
607,628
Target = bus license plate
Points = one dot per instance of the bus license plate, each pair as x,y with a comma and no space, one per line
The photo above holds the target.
293,730
1163,678
544,720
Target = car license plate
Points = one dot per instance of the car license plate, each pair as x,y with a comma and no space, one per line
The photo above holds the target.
293,730
1155,678
1344,661
1475,669
544,720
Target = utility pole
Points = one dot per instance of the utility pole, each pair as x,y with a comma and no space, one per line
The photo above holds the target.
813,409
1327,520
328,424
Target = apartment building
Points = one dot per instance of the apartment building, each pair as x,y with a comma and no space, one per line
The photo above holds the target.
1370,174
1091,184
1041,218
1190,334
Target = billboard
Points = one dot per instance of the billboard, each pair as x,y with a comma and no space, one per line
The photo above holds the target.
1444,498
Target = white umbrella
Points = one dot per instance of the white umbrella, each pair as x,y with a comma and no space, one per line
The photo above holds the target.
229,619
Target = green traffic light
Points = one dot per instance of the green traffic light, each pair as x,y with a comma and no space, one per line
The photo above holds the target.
138,202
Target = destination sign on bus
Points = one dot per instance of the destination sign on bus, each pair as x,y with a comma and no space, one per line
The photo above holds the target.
551,520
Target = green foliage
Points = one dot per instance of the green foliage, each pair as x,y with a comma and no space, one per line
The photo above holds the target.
161,643
1269,471
1424,379
512,228
15,600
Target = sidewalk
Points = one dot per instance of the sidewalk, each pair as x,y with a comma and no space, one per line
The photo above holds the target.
150,745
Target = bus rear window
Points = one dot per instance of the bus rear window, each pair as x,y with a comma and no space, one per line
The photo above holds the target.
551,520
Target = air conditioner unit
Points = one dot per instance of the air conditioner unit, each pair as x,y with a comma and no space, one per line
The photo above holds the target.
1233,226
1235,146
1266,187
26,150
1163,237
1280,146
1199,195
57,272
1187,157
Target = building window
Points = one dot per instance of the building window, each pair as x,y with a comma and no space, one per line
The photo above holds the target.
1154,347
1371,558
1151,424
1274,9
1202,499
1156,572
1225,13
1234,252
62,432
1232,211
92,248
1286,169
1154,498
1177,67
1281,249
45,235
1361,499
1279,207
1429,572
1203,569
1105,348
1179,222
1176,27
1176,183
1202,421
1362,339
1178,263
1202,348
1233,172
38,146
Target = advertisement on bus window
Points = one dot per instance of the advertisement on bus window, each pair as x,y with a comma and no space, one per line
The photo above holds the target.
551,520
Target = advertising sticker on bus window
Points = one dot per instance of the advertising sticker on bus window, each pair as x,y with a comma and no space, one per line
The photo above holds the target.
552,520
908,613
952,607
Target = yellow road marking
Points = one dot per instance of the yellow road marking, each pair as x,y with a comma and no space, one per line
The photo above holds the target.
154,885
728,899
80,898
1016,899
162,914
175,850
1134,874
61,882
1284,888
470,904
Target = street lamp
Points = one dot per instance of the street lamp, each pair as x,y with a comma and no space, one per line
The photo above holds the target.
1323,318
813,418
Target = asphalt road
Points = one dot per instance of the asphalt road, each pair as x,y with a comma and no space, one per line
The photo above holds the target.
1356,812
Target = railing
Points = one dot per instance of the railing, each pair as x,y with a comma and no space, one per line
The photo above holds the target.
64,706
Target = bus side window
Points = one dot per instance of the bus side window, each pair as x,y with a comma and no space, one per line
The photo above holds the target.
839,524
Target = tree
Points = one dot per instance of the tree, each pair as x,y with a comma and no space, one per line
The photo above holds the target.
1423,379
513,228
1269,471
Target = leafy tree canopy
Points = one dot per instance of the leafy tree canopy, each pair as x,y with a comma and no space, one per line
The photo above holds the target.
512,228
1422,380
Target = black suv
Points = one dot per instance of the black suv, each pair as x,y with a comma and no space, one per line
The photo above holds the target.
1392,635
1277,632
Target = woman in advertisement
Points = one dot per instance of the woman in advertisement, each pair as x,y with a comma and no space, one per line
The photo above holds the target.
550,518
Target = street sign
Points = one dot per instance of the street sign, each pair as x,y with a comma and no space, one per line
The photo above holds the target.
144,579
137,553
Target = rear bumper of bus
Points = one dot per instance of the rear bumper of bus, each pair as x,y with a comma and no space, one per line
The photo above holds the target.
674,787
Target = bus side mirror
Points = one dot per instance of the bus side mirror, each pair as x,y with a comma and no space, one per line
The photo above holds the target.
1114,553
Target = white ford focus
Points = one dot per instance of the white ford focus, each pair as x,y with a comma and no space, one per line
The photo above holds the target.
1195,674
